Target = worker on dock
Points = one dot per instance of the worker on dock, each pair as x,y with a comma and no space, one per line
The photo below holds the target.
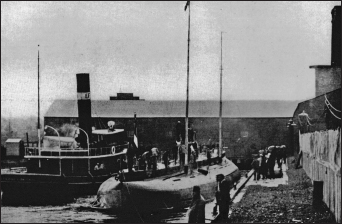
223,197
175,151
166,160
263,166
182,153
146,157
154,157
283,153
271,161
256,166
179,132
192,161
196,212
277,153
208,151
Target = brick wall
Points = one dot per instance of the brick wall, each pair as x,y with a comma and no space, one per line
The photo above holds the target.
328,78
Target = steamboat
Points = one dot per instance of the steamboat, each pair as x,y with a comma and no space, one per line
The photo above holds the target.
64,166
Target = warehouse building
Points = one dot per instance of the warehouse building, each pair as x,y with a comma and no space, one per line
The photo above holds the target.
247,125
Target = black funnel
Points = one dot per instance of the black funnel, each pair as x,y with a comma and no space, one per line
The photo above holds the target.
84,107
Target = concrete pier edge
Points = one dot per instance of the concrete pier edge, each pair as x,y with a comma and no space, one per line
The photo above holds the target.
242,184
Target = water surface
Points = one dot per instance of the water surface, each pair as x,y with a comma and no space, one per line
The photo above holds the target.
79,211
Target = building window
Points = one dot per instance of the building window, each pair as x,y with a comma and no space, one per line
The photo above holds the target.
244,134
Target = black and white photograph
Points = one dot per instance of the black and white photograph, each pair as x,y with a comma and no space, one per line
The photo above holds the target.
170,112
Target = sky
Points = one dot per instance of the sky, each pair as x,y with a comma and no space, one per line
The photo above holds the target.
141,47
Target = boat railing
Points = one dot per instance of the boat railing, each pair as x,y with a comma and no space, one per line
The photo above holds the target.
100,151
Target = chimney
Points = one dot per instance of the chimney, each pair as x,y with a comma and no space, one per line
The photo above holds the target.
84,107
336,36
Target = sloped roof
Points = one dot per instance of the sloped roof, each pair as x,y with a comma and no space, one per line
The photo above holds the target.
126,108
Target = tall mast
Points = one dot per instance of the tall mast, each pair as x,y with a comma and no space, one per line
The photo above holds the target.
220,119
187,93
135,137
9,128
38,125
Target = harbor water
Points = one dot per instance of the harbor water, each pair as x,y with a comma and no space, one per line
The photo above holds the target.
78,211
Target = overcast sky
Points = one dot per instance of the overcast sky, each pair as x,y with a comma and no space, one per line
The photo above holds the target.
141,47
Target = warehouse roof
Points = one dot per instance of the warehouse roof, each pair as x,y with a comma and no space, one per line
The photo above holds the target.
126,108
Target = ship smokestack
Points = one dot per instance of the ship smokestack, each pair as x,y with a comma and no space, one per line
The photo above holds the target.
336,36
84,107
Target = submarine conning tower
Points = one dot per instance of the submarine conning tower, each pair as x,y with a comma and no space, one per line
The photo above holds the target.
84,107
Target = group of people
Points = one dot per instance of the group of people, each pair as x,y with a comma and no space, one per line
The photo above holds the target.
264,162
100,168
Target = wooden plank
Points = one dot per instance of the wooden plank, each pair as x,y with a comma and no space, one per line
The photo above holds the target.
323,170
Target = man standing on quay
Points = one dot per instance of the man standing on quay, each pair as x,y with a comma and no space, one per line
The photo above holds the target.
223,197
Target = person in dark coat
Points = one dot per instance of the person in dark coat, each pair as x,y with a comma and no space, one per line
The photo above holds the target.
283,153
154,157
208,151
180,132
223,196
263,166
166,159
191,138
271,161
175,153
278,155
197,209
146,156
182,153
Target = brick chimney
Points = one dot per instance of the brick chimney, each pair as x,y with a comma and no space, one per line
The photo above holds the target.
336,36
328,77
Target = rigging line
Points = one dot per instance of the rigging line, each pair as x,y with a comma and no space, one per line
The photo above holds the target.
75,110
93,111
129,193
330,110
330,103
333,113
319,117
98,117
101,123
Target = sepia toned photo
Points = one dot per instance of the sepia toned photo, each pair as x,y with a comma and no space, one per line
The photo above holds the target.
171,112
